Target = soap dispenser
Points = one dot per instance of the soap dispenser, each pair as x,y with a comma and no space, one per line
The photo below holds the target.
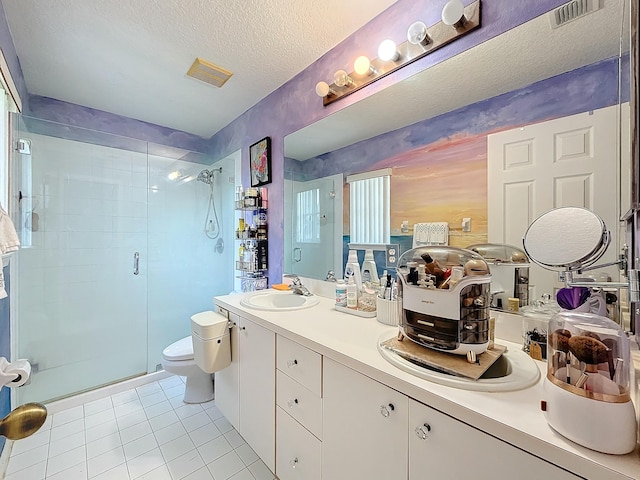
369,269
352,269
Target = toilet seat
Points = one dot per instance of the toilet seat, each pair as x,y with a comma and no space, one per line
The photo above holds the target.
180,350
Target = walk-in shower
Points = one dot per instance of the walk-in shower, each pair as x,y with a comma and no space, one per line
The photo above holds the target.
80,314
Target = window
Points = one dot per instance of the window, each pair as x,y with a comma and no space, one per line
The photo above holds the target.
369,201
308,216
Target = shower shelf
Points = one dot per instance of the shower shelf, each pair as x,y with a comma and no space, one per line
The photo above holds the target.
248,267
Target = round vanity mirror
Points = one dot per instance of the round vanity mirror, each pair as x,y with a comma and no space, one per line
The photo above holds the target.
566,238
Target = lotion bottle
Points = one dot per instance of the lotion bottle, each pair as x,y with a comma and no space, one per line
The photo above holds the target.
352,294
352,269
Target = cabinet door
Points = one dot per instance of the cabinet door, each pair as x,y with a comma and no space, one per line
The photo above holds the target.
256,362
298,452
443,447
226,381
364,427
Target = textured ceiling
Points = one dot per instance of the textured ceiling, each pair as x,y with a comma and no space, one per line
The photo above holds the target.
131,57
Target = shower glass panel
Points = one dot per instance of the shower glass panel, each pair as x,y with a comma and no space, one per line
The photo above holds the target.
84,203
81,215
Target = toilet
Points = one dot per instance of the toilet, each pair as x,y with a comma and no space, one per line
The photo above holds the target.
196,357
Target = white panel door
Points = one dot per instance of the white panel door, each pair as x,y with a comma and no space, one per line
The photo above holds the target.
567,162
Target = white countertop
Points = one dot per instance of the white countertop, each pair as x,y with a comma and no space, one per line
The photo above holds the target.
514,417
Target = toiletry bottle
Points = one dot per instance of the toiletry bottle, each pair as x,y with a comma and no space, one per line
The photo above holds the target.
369,269
432,267
352,269
341,293
352,294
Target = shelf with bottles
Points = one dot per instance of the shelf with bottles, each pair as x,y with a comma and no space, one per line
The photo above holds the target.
252,256
251,198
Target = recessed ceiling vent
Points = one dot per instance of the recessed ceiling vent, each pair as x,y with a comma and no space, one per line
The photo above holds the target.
209,73
572,10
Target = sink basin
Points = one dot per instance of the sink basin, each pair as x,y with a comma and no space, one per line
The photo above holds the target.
279,301
514,370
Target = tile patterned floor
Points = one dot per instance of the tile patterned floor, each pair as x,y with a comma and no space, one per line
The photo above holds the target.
147,433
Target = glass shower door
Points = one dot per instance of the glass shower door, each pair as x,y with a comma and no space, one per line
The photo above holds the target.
81,214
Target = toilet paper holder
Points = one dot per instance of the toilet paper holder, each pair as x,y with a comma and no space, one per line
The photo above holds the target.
14,374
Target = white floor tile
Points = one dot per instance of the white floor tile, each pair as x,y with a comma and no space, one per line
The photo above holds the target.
103,445
77,472
105,462
131,419
127,408
246,453
177,391
177,401
223,425
118,473
98,418
196,421
234,438
66,416
167,434
97,406
169,382
36,440
164,420
65,444
66,460
140,446
260,471
148,389
158,409
47,423
28,458
201,474
176,447
145,463
160,473
67,429
153,398
213,412
226,466
243,475
34,472
135,431
188,410
185,464
124,397
102,430
214,449
204,434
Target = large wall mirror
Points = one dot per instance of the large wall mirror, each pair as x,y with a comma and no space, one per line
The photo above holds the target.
533,119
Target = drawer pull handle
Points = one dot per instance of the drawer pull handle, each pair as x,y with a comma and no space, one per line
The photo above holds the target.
428,324
422,431
292,363
293,402
385,410
294,462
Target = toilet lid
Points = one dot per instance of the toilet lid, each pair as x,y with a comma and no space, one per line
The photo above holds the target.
180,350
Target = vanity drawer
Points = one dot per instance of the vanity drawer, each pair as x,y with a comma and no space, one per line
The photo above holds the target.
300,363
298,453
299,402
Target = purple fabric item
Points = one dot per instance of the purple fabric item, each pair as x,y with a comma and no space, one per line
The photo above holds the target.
573,297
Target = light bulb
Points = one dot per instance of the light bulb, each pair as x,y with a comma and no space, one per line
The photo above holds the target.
417,34
342,78
388,51
362,66
453,14
324,90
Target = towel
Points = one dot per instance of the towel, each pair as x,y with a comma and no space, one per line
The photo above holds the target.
432,233
8,243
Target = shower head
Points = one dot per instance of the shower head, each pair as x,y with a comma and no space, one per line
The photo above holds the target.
206,176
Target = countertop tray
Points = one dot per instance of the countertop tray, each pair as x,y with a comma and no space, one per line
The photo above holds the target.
357,313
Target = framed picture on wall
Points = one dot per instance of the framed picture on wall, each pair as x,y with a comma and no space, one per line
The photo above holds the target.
260,162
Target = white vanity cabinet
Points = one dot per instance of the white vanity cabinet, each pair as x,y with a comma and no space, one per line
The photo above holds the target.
298,412
364,427
245,391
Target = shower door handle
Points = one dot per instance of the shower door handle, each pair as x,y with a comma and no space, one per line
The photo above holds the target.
136,263
297,254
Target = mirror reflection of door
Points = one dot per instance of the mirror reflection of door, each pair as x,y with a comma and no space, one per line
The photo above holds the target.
566,162
314,233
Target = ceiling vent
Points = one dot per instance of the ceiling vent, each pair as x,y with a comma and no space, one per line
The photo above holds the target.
209,73
572,10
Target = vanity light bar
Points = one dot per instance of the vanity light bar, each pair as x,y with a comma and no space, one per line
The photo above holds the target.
438,36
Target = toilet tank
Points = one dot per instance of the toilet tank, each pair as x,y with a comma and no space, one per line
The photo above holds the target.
211,341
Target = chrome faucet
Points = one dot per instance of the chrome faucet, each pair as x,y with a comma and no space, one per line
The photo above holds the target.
296,285
331,276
